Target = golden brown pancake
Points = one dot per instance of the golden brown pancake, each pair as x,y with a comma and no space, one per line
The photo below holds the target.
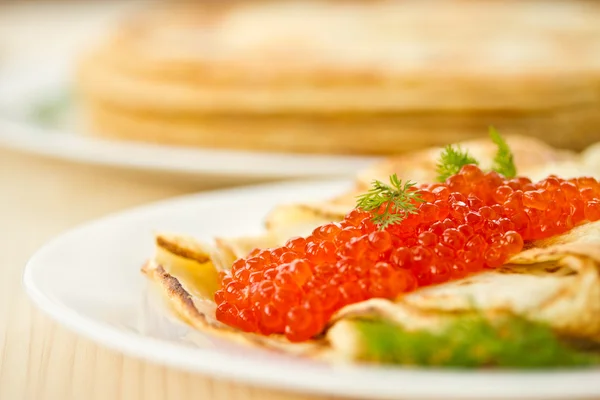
347,77
533,158
556,282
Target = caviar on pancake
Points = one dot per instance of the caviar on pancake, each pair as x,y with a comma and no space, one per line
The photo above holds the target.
471,222
401,237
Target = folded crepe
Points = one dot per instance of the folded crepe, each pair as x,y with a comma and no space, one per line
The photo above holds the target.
555,282
533,158
550,290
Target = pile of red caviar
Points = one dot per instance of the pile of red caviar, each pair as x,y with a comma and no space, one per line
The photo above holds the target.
473,221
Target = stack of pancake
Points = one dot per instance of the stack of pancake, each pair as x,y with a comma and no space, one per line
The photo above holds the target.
347,77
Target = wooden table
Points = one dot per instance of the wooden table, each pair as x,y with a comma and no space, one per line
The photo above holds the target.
40,198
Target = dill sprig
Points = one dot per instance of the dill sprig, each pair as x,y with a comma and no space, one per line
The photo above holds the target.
503,160
452,159
389,203
392,203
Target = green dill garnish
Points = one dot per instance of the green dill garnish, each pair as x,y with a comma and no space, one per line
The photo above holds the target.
397,198
503,160
468,342
452,159
392,203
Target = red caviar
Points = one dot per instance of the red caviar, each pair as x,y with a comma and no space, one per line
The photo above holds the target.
475,220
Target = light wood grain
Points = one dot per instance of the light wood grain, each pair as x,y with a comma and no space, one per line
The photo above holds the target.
40,198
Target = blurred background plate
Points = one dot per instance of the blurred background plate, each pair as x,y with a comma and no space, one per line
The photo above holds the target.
245,90
37,116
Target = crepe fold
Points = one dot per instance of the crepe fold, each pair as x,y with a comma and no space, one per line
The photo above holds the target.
555,282
533,158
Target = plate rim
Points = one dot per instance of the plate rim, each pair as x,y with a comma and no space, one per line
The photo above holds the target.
19,135
531,384
70,144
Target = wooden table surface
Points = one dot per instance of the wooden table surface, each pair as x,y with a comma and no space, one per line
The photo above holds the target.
40,198
39,359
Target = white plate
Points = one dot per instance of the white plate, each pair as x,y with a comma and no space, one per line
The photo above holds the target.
89,280
24,90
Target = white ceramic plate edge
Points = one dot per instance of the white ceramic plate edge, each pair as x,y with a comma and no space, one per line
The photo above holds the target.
338,380
20,86
91,150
